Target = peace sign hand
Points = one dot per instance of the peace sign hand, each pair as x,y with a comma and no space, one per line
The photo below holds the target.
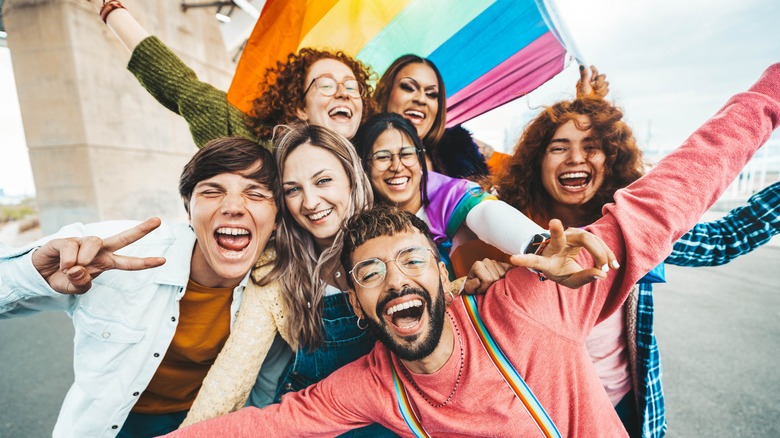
558,260
68,265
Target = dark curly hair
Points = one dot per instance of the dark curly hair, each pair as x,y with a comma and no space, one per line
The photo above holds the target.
283,88
519,182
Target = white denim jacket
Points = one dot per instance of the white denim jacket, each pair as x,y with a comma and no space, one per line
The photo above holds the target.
124,324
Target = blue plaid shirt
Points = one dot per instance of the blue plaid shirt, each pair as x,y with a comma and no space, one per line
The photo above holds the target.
708,244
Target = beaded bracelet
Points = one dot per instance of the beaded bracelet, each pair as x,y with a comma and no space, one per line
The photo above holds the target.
109,7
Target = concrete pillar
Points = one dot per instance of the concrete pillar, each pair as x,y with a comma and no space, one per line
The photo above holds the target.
100,146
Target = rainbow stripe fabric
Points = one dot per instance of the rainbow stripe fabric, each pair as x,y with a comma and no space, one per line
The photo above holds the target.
489,51
508,371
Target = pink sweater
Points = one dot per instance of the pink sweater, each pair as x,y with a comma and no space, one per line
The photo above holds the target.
541,326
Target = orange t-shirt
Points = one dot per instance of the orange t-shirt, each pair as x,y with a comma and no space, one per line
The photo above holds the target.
204,326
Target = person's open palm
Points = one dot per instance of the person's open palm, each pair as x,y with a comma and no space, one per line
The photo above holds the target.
69,265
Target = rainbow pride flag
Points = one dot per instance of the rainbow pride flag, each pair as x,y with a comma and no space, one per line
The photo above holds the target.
489,51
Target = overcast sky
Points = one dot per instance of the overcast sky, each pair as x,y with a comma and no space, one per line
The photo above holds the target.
15,173
671,64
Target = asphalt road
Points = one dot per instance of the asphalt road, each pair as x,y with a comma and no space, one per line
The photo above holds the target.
718,330
719,334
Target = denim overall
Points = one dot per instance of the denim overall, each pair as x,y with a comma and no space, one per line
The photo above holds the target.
344,343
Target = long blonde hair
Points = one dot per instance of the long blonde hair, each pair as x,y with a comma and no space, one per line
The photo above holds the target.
299,267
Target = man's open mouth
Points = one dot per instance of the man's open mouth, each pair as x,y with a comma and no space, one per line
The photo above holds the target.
406,314
233,239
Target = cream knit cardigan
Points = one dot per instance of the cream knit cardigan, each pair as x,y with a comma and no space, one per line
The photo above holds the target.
262,314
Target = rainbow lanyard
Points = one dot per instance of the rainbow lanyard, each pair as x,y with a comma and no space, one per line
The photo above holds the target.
508,372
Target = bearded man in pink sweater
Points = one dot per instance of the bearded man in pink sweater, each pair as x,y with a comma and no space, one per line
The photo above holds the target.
511,362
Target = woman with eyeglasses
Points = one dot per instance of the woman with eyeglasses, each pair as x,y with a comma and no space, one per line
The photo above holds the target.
316,86
455,209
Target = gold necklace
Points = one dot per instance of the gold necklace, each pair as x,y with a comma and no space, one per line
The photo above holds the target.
457,380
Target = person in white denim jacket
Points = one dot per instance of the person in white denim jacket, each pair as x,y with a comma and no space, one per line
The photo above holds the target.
126,318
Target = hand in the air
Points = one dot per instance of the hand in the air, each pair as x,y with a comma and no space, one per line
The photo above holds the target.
70,264
595,86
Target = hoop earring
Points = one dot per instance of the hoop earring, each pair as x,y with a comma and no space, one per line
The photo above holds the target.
452,297
361,327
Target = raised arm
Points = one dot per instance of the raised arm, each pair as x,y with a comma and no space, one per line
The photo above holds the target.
593,84
126,28
742,230
649,215
172,83
652,213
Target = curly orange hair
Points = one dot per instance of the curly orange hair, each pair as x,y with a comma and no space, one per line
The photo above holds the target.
284,84
519,182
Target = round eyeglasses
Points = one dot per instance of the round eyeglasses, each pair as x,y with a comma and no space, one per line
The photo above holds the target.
328,86
411,261
382,160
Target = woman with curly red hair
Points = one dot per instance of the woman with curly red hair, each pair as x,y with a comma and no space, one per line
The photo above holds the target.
535,181
568,164
288,97
325,88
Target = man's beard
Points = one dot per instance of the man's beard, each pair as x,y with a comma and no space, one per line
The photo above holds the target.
414,348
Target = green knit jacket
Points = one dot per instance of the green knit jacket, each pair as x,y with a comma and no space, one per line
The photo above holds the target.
206,109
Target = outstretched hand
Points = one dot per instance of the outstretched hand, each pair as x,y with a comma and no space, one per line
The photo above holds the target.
70,264
594,87
558,260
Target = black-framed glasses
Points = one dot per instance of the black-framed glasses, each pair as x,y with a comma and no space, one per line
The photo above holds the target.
327,86
381,160
411,261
